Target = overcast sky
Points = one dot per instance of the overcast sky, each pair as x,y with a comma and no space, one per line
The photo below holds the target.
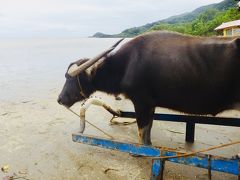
74,18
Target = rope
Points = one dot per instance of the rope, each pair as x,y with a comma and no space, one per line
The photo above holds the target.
164,157
115,114
125,123
81,90
199,151
91,124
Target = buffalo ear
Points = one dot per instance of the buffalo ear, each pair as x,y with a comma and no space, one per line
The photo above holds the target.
237,43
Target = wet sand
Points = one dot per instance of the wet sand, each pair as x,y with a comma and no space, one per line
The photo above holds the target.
36,142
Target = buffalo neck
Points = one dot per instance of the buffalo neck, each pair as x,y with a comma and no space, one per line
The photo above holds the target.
106,76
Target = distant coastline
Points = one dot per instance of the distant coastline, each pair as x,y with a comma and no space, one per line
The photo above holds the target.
200,22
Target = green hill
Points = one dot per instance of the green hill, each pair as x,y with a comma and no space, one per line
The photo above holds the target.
201,21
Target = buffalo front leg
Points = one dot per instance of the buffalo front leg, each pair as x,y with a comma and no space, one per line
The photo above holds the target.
144,116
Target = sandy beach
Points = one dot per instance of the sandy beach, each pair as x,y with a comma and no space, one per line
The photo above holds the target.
36,143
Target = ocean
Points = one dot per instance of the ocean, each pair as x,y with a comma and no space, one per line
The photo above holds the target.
31,67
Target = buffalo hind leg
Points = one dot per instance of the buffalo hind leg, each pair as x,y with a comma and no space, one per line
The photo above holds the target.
144,116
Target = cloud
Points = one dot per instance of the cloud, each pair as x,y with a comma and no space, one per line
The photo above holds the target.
85,17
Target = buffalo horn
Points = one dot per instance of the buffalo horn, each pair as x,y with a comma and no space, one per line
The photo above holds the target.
75,70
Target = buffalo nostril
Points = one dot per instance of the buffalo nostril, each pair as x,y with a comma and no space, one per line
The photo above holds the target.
59,100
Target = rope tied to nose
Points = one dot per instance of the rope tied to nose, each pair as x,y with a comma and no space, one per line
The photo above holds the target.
95,101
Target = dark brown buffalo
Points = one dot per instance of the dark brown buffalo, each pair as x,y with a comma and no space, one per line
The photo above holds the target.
189,74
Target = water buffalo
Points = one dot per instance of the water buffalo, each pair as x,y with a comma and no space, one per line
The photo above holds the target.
195,75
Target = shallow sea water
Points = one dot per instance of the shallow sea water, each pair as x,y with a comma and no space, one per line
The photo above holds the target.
31,67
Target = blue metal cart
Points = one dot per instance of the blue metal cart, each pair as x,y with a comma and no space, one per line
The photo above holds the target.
210,162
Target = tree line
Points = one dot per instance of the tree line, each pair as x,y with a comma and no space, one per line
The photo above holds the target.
203,25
